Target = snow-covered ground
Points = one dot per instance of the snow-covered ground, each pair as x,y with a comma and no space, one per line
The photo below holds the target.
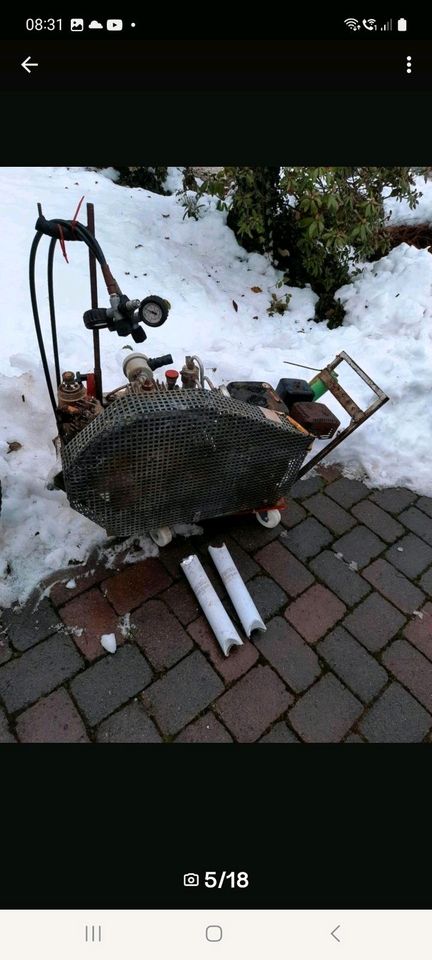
200,268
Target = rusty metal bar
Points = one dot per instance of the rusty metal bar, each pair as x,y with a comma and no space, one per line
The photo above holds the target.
94,303
341,395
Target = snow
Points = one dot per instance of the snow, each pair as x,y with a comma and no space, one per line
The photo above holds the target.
400,211
125,625
109,642
200,268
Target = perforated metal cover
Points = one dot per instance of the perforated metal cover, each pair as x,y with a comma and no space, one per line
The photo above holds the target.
154,460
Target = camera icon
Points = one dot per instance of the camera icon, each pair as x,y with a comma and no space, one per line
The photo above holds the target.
191,880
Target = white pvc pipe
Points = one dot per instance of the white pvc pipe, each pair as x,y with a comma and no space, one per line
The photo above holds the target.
223,628
239,594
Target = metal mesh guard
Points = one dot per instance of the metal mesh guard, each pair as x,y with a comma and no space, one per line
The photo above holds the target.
172,457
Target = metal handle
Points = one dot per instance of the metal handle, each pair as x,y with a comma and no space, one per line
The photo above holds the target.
358,416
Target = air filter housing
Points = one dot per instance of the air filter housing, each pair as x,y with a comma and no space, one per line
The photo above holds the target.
179,456
294,391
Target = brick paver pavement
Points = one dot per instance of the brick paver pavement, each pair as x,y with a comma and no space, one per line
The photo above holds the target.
344,585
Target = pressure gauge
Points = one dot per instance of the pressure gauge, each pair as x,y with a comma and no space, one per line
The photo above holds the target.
153,311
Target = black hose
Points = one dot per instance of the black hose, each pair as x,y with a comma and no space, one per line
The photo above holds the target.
33,298
51,252
72,231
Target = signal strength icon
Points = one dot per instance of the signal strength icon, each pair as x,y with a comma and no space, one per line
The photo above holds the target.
387,26
352,24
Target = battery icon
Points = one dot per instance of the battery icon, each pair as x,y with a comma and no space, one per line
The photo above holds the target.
402,24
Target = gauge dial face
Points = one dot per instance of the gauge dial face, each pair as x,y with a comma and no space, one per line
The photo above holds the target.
153,311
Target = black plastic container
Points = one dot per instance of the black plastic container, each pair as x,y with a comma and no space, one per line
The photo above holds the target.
294,391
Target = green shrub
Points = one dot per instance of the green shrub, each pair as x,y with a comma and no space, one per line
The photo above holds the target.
192,207
315,223
149,178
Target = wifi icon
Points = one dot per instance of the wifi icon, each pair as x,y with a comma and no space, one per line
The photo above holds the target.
352,24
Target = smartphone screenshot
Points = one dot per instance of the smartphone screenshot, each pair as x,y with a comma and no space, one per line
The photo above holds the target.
215,484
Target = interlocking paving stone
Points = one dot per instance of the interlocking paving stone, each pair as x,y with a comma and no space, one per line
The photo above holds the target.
84,576
5,735
287,652
129,725
251,535
426,582
418,523
306,539
394,586
419,631
326,712
393,499
380,522
359,545
288,572
240,659
182,601
374,622
410,555
5,648
425,504
159,634
280,733
253,703
330,472
346,492
292,515
110,682
184,692
412,669
346,583
54,719
395,718
89,616
38,672
315,612
329,513
267,596
306,488
135,584
205,730
26,627
355,667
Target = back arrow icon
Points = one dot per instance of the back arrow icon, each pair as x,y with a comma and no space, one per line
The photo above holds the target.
333,933
26,64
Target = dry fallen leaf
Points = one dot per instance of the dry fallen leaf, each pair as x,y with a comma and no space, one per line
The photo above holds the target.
14,446
256,289
235,305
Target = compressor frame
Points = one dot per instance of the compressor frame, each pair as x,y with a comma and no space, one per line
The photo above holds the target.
123,318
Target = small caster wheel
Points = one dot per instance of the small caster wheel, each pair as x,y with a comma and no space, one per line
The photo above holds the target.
162,536
268,518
